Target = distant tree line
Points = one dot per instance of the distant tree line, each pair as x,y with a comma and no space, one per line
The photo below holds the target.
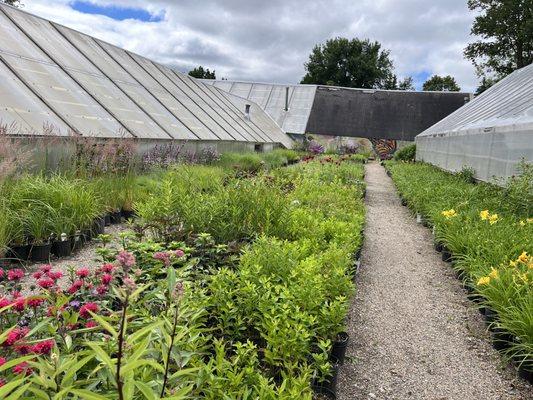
202,73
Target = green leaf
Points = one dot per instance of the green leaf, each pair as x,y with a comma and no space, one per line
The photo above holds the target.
146,390
141,332
75,368
15,361
104,357
87,394
139,363
104,324
17,393
4,390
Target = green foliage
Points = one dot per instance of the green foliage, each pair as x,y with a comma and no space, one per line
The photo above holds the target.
519,190
407,153
441,83
201,73
349,63
506,36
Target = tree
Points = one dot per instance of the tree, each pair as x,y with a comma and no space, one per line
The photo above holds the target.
506,31
349,63
201,73
441,83
406,84
14,3
391,83
485,84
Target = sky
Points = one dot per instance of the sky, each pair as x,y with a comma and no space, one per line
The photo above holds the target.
270,40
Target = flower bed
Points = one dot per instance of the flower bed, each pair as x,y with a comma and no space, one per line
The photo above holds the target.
241,296
486,232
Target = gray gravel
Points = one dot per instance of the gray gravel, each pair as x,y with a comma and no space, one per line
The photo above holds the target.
413,332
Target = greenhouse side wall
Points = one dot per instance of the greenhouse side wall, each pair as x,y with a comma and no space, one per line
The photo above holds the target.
494,156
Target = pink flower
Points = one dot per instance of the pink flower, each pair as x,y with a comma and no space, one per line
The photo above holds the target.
45,268
101,290
35,302
179,253
22,369
126,259
2,361
84,310
76,285
162,256
130,283
43,347
37,274
106,279
2,382
4,302
55,275
108,268
1,273
83,272
16,294
20,304
15,274
46,283
23,349
15,335
91,324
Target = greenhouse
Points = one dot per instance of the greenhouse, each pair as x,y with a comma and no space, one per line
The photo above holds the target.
491,134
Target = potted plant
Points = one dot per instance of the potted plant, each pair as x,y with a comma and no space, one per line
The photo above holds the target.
38,226
19,248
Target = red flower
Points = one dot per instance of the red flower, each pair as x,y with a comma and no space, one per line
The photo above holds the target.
84,310
101,290
46,283
20,304
43,347
83,272
22,369
2,361
55,275
35,302
76,285
4,302
15,274
108,268
45,268
106,279
23,349
91,324
37,274
15,335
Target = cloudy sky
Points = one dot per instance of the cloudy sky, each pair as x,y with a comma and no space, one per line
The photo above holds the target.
269,40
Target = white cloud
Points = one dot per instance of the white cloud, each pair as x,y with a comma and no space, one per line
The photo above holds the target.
271,40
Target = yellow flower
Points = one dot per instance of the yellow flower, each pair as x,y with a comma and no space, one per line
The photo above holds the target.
524,277
493,219
522,223
449,213
483,281
494,274
484,214
523,257
512,263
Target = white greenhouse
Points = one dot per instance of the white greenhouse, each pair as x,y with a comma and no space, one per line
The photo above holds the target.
490,134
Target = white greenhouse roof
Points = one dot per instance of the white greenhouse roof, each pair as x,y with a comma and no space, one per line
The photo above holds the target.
52,76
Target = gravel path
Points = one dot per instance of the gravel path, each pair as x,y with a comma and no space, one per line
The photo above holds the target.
413,332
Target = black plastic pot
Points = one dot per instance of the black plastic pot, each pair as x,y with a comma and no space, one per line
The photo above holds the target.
331,383
438,246
99,226
87,235
323,393
338,351
526,372
76,242
62,248
490,316
128,214
501,339
107,219
40,252
446,255
404,202
21,253
116,217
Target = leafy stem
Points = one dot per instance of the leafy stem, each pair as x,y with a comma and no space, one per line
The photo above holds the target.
172,336
120,348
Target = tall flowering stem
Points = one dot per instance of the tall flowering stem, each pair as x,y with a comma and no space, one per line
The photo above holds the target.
120,384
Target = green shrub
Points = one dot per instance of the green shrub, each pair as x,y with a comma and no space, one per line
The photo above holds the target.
407,153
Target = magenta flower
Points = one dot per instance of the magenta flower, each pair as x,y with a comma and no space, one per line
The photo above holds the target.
83,272
15,274
15,335
43,347
20,304
22,369
179,253
106,279
4,302
162,256
84,310
46,283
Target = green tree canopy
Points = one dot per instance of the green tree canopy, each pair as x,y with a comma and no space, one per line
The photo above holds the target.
14,3
441,83
505,28
349,63
201,73
485,84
